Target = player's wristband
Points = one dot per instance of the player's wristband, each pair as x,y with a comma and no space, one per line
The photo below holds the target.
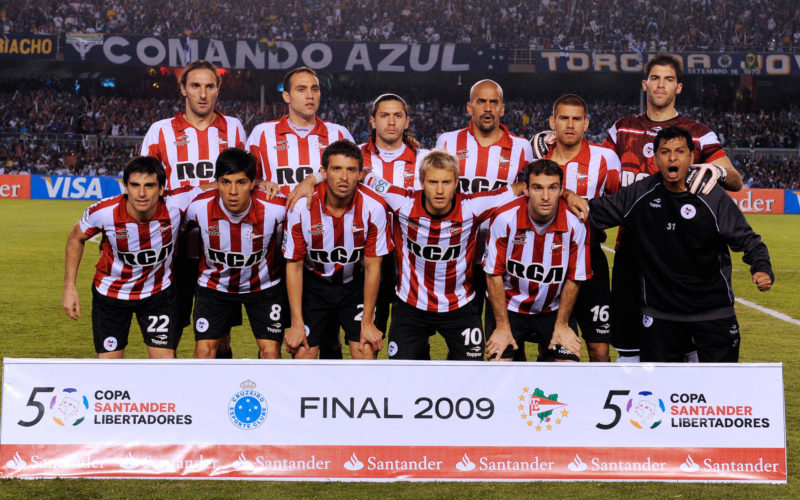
318,178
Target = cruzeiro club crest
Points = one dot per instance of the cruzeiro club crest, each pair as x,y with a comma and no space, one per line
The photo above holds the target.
540,411
247,408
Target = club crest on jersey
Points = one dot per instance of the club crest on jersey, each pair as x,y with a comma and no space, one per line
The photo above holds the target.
223,143
357,228
519,239
504,159
688,211
556,247
462,154
254,236
281,145
212,231
413,224
182,140
121,234
455,228
166,229
316,229
322,146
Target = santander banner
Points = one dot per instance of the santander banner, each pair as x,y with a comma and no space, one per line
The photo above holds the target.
392,420
759,201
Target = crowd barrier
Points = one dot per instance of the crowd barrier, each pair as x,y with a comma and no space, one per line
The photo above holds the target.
392,420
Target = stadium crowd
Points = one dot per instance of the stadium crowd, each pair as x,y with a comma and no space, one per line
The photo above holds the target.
46,130
618,24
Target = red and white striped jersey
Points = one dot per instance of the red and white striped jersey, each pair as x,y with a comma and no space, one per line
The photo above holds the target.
284,157
486,168
332,247
434,255
403,171
189,155
631,137
239,257
593,171
535,266
135,259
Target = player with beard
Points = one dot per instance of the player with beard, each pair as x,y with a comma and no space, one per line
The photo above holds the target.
290,148
589,171
187,146
391,153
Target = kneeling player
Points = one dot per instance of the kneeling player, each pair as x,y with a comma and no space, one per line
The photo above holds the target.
134,273
240,227
334,251
535,259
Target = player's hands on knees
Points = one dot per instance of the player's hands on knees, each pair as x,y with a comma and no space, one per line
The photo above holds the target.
303,190
372,336
576,204
71,303
762,281
542,142
703,176
294,338
566,337
498,342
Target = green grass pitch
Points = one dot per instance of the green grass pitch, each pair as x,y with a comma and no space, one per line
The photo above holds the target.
32,324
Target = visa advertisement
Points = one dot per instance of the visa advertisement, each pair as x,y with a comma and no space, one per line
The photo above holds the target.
63,187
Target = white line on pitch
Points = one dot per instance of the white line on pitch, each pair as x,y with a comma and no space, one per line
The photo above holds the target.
757,307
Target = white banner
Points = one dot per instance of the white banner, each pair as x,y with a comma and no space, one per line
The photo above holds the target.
392,420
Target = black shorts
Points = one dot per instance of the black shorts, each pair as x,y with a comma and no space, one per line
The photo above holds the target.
325,303
626,304
593,307
536,328
386,293
215,312
111,320
716,341
411,328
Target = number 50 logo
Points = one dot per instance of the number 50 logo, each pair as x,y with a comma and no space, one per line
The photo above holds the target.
643,410
67,407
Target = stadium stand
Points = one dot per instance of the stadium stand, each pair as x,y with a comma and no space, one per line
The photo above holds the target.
617,24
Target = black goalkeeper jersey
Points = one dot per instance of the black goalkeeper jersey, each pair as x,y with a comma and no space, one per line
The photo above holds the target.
681,244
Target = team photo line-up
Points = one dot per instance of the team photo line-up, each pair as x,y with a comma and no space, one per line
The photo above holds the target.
490,240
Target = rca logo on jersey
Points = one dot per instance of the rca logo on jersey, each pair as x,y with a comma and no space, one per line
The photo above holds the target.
338,255
235,259
480,184
433,252
629,177
148,257
535,272
290,176
200,170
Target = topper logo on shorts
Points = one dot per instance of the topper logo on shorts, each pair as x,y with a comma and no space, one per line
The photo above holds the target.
247,408
535,272
338,255
147,257
541,412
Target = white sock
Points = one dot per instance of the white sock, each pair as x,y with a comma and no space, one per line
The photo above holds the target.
628,359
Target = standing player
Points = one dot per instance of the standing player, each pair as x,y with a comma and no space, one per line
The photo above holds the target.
187,146
589,171
134,274
681,243
291,148
489,156
392,153
535,261
334,252
240,229
631,137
